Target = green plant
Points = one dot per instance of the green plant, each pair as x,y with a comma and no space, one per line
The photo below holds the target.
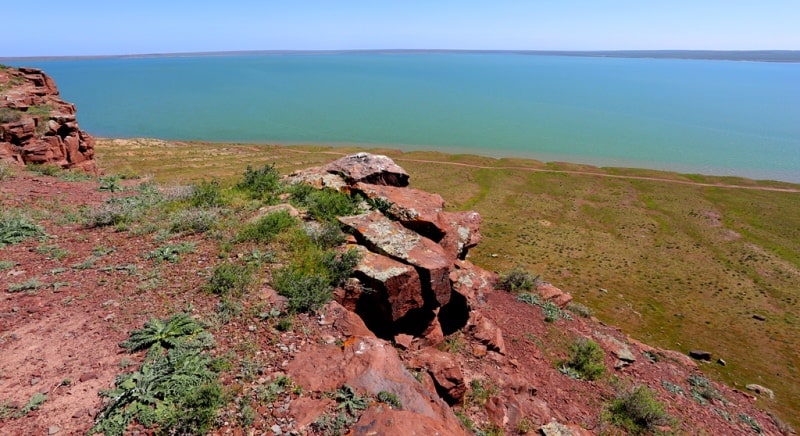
552,312
7,264
269,393
6,170
480,392
110,184
701,389
390,399
260,184
207,194
327,235
524,426
52,251
45,169
528,298
7,409
171,252
323,204
266,228
339,266
580,309
675,389
749,420
518,280
453,344
166,333
306,292
586,358
637,410
123,210
349,400
16,228
228,309
332,425
30,285
34,403
194,220
230,279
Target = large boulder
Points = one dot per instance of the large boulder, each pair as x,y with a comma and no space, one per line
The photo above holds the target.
37,126
368,168
384,236
461,232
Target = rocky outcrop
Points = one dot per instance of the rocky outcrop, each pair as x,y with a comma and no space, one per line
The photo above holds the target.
37,126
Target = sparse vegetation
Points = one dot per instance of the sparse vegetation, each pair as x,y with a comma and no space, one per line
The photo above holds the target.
702,390
34,403
171,252
30,285
390,399
6,171
168,333
586,359
518,280
261,184
15,228
323,204
637,410
207,195
480,391
266,228
230,279
9,115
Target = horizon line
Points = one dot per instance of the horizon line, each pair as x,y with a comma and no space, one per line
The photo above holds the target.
766,55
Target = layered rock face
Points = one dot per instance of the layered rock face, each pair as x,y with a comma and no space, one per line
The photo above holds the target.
413,284
37,126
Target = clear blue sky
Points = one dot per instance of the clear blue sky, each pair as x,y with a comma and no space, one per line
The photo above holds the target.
93,27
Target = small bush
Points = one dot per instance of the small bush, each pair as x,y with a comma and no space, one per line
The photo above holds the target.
637,411
390,399
230,279
586,358
207,194
518,280
123,210
480,392
266,228
323,204
16,228
194,220
109,184
34,403
261,184
166,333
8,115
29,286
45,169
306,292
326,235
339,267
580,309
702,390
170,252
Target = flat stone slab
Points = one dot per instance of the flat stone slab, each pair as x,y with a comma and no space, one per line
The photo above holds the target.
415,209
369,168
384,236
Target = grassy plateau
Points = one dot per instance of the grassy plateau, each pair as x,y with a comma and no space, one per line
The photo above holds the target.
677,261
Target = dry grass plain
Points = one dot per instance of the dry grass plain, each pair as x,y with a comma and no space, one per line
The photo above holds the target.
677,261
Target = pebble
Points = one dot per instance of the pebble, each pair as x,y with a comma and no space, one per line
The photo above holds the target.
53,429
276,429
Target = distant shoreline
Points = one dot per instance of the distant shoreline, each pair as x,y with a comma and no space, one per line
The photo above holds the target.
779,56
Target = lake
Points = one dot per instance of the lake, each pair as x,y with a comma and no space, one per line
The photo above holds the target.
698,116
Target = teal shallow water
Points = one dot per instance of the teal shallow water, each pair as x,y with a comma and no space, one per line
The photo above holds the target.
712,117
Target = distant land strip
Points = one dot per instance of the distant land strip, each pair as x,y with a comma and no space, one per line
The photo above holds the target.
575,172
783,56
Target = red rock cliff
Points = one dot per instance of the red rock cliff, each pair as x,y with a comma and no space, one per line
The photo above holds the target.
37,126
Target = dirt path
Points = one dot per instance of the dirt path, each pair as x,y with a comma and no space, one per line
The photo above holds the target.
574,172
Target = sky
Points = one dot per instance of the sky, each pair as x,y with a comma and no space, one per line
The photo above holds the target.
109,27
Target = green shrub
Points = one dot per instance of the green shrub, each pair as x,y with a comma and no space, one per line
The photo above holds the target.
34,403
637,411
230,279
517,280
586,358
45,169
327,235
194,220
207,194
16,228
702,390
306,292
580,309
266,228
323,204
29,285
170,252
123,210
480,392
166,333
390,399
261,184
339,267
109,184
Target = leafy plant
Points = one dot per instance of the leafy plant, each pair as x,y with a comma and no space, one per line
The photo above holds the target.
171,252
323,204
332,425
16,228
390,399
34,403
207,194
194,220
518,280
29,285
637,410
306,292
480,392
586,358
45,169
167,333
580,309
266,228
7,264
749,420
260,184
702,390
230,279
349,400
110,184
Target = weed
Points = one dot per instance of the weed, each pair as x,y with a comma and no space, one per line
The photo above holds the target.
327,235
637,410
390,399
52,251
453,344
749,420
227,310
305,292
528,298
266,228
6,170
45,170
323,204
34,403
524,426
230,279
702,390
518,280
7,264
465,421
7,409
31,285
550,310
16,228
339,267
332,425
260,184
480,392
110,184
86,264
349,400
675,389
194,220
269,393
75,176
171,252
580,309
285,324
207,195
586,358
167,333
9,115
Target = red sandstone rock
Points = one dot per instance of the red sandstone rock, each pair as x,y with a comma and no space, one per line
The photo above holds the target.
347,322
384,236
487,332
46,131
395,282
461,232
445,371
472,282
415,209
549,292
383,420
368,168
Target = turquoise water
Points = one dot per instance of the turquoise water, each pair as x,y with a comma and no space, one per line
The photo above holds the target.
712,117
